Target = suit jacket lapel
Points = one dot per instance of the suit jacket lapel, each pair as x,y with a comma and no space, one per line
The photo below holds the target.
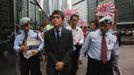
62,36
53,36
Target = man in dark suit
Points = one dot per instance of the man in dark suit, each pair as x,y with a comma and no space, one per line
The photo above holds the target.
59,46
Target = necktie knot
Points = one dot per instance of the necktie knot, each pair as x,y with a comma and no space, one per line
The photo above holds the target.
103,34
26,34
57,30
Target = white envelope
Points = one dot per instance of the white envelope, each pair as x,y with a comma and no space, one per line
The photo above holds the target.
32,42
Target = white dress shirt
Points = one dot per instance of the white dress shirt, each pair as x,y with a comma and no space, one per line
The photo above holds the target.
93,45
41,34
31,36
77,35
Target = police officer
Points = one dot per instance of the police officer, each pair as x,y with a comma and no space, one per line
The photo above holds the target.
102,46
28,44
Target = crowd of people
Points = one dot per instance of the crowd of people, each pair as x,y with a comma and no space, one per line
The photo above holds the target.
65,47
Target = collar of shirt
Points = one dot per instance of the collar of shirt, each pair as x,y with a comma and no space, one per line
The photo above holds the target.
29,32
74,30
106,34
40,32
60,30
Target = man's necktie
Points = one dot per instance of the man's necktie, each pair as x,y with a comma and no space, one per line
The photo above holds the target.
25,38
57,39
104,50
58,36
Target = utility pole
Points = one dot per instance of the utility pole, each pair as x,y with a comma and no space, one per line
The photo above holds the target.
35,15
88,11
14,13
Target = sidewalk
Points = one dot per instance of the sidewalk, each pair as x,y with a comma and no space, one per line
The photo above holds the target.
127,40
127,59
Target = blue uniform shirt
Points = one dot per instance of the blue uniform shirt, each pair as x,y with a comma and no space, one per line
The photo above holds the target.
93,45
31,36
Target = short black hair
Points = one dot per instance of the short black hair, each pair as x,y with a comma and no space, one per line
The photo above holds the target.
59,13
41,26
74,15
93,22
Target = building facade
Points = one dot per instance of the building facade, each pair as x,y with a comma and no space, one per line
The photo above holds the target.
92,5
81,6
125,13
59,4
86,9
31,9
11,11
6,19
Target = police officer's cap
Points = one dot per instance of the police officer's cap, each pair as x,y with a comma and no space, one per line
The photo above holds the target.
24,20
106,20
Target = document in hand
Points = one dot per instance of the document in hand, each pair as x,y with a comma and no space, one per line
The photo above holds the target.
27,54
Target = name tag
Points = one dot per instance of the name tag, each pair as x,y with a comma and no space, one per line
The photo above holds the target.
111,44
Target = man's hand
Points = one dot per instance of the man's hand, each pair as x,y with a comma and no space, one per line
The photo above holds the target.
79,44
35,52
59,66
85,54
80,61
115,66
24,48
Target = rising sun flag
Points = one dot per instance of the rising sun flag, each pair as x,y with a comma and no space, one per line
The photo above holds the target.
69,12
106,9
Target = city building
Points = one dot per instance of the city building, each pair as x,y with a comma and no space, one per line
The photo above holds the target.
11,11
6,19
86,8
92,5
29,8
59,4
125,14
81,6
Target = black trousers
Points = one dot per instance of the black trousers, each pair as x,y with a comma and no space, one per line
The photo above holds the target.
31,65
98,68
75,59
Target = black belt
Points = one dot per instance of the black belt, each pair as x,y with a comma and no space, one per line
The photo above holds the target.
98,61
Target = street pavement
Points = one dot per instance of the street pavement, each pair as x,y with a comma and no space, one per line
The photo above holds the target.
8,67
127,60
